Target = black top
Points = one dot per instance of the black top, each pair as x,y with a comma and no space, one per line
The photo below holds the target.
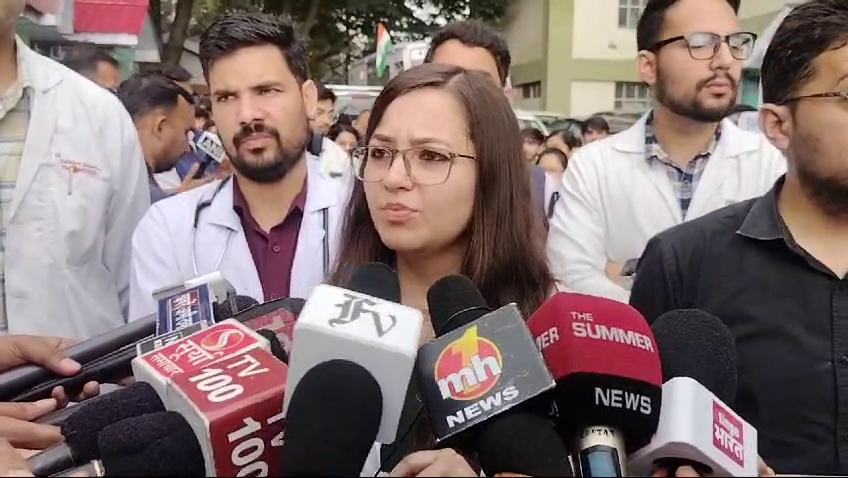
788,314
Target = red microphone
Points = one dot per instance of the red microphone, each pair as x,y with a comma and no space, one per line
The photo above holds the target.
603,356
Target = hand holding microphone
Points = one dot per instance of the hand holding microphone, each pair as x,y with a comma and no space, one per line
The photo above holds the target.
444,462
16,350
16,426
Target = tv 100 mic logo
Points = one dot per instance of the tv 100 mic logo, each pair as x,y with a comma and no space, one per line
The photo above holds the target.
728,434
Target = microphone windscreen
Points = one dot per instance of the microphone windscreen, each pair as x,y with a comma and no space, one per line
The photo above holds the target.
695,344
224,310
377,280
524,443
277,349
332,421
80,429
454,301
156,444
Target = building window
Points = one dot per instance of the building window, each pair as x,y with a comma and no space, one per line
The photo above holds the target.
632,97
530,90
629,12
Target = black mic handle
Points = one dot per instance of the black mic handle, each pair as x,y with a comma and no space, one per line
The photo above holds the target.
110,368
19,379
202,168
672,464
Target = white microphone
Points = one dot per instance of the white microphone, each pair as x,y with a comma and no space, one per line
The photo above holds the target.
363,325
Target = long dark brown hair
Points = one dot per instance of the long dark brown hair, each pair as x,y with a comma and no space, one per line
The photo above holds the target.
505,257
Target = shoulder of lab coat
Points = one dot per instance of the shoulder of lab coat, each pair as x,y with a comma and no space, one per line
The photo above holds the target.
589,206
101,110
155,244
335,162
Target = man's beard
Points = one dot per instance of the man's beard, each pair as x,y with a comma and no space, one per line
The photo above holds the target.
284,159
694,108
827,191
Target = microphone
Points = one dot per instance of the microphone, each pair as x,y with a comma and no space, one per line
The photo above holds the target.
157,444
365,325
210,148
697,425
608,376
81,428
193,303
277,315
477,379
333,418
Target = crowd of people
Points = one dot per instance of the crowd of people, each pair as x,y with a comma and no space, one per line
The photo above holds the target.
102,200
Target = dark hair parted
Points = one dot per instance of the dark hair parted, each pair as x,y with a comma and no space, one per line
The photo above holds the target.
563,159
86,57
339,128
505,256
233,31
474,33
651,22
810,29
595,123
324,93
142,93
533,135
173,72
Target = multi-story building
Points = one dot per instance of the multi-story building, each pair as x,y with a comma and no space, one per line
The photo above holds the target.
577,57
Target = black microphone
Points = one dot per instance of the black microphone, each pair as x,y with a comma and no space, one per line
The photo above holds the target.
80,429
478,381
332,421
155,444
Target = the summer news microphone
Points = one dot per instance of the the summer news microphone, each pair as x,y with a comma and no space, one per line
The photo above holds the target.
229,388
476,378
81,428
607,368
698,426
365,325
209,146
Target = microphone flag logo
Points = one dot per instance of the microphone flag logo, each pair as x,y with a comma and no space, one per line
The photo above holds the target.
468,368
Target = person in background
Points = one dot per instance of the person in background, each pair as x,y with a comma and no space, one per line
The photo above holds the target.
678,162
201,116
595,128
361,122
175,73
73,185
533,141
436,195
564,140
92,62
473,45
163,114
345,135
326,114
553,161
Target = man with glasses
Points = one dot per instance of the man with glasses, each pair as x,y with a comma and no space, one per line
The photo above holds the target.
680,161
774,268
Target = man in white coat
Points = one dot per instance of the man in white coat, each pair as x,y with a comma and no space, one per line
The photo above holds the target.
73,186
680,161
271,229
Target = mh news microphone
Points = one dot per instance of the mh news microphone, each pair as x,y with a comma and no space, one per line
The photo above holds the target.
333,418
698,426
360,325
156,444
477,378
608,393
209,146
229,388
81,428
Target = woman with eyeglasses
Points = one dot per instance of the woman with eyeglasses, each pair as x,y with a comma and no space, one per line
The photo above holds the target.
442,189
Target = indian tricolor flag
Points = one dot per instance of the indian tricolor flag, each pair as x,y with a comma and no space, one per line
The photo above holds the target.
384,49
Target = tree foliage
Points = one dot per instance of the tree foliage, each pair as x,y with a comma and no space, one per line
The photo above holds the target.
334,28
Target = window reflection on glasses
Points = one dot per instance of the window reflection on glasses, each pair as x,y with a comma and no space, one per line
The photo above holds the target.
705,45
424,166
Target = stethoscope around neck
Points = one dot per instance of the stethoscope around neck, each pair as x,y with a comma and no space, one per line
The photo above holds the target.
202,205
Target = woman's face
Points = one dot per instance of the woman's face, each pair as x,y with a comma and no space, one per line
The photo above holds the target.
551,163
347,141
414,218
531,149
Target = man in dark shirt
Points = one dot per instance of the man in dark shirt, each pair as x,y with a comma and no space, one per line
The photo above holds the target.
774,269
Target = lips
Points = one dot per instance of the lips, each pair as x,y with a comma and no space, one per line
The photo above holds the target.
397,207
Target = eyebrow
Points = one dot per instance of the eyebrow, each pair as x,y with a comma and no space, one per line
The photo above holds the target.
260,86
415,142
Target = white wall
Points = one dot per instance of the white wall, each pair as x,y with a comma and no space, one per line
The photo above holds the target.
596,32
753,8
590,97
525,32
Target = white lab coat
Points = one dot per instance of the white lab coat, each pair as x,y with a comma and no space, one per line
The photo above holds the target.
67,248
163,244
613,201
